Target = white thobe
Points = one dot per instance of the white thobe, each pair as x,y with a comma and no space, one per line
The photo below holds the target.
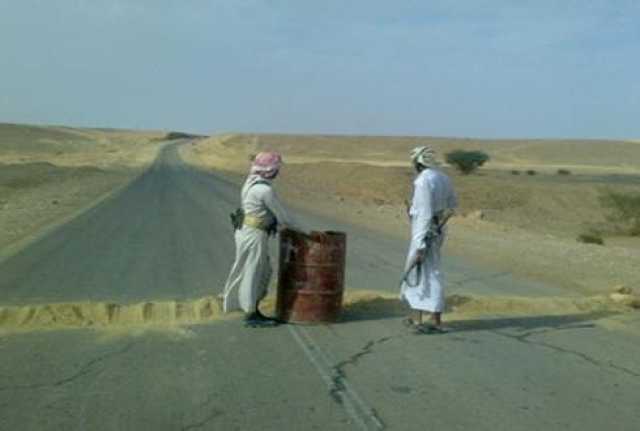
248,280
432,195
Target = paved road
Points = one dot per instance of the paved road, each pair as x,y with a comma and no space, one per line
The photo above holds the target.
166,237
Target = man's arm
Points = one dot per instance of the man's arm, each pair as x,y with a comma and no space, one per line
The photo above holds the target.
271,200
422,218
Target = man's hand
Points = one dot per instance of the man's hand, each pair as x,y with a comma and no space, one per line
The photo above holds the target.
319,236
407,206
420,255
313,234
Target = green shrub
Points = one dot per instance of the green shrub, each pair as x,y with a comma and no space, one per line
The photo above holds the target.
531,172
466,161
624,210
564,172
591,238
515,172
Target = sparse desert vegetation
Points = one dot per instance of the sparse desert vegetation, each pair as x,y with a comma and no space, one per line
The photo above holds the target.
624,210
466,161
591,238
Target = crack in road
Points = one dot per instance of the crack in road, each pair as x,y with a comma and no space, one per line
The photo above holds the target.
526,339
83,371
339,376
211,416
214,413
367,349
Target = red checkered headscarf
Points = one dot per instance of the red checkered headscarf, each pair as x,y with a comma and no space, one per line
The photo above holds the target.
266,164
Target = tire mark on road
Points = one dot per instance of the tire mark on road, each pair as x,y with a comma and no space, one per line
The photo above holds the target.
339,387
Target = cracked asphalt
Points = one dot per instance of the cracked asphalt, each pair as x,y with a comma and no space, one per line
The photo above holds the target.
166,237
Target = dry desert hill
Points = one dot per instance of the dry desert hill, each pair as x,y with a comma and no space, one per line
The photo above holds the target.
50,173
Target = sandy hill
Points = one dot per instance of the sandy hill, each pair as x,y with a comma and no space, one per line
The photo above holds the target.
376,170
69,146
48,173
585,155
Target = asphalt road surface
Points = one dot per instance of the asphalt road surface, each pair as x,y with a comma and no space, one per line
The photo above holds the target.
167,237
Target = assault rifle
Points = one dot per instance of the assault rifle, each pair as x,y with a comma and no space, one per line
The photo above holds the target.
438,222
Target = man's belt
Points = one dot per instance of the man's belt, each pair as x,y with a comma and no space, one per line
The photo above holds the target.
255,222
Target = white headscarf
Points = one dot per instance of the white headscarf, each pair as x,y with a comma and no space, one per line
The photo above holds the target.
424,156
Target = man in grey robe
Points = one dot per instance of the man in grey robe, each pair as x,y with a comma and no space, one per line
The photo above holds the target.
250,275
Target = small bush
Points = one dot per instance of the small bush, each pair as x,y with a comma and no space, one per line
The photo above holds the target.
591,238
564,172
466,161
624,210
531,172
514,172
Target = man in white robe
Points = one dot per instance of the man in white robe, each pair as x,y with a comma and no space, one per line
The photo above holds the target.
250,275
433,203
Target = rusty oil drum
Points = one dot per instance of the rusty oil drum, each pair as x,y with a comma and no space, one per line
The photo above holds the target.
311,276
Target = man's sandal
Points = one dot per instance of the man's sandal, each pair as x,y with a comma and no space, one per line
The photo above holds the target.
257,320
409,323
259,323
425,329
273,319
433,329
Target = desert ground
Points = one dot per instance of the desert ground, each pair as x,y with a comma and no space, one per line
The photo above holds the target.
49,174
111,320
516,214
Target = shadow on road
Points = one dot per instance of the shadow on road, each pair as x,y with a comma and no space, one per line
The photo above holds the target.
530,323
373,308
379,308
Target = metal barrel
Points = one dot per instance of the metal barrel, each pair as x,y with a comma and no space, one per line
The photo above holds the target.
311,276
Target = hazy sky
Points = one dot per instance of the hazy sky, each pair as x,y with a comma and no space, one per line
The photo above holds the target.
443,68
